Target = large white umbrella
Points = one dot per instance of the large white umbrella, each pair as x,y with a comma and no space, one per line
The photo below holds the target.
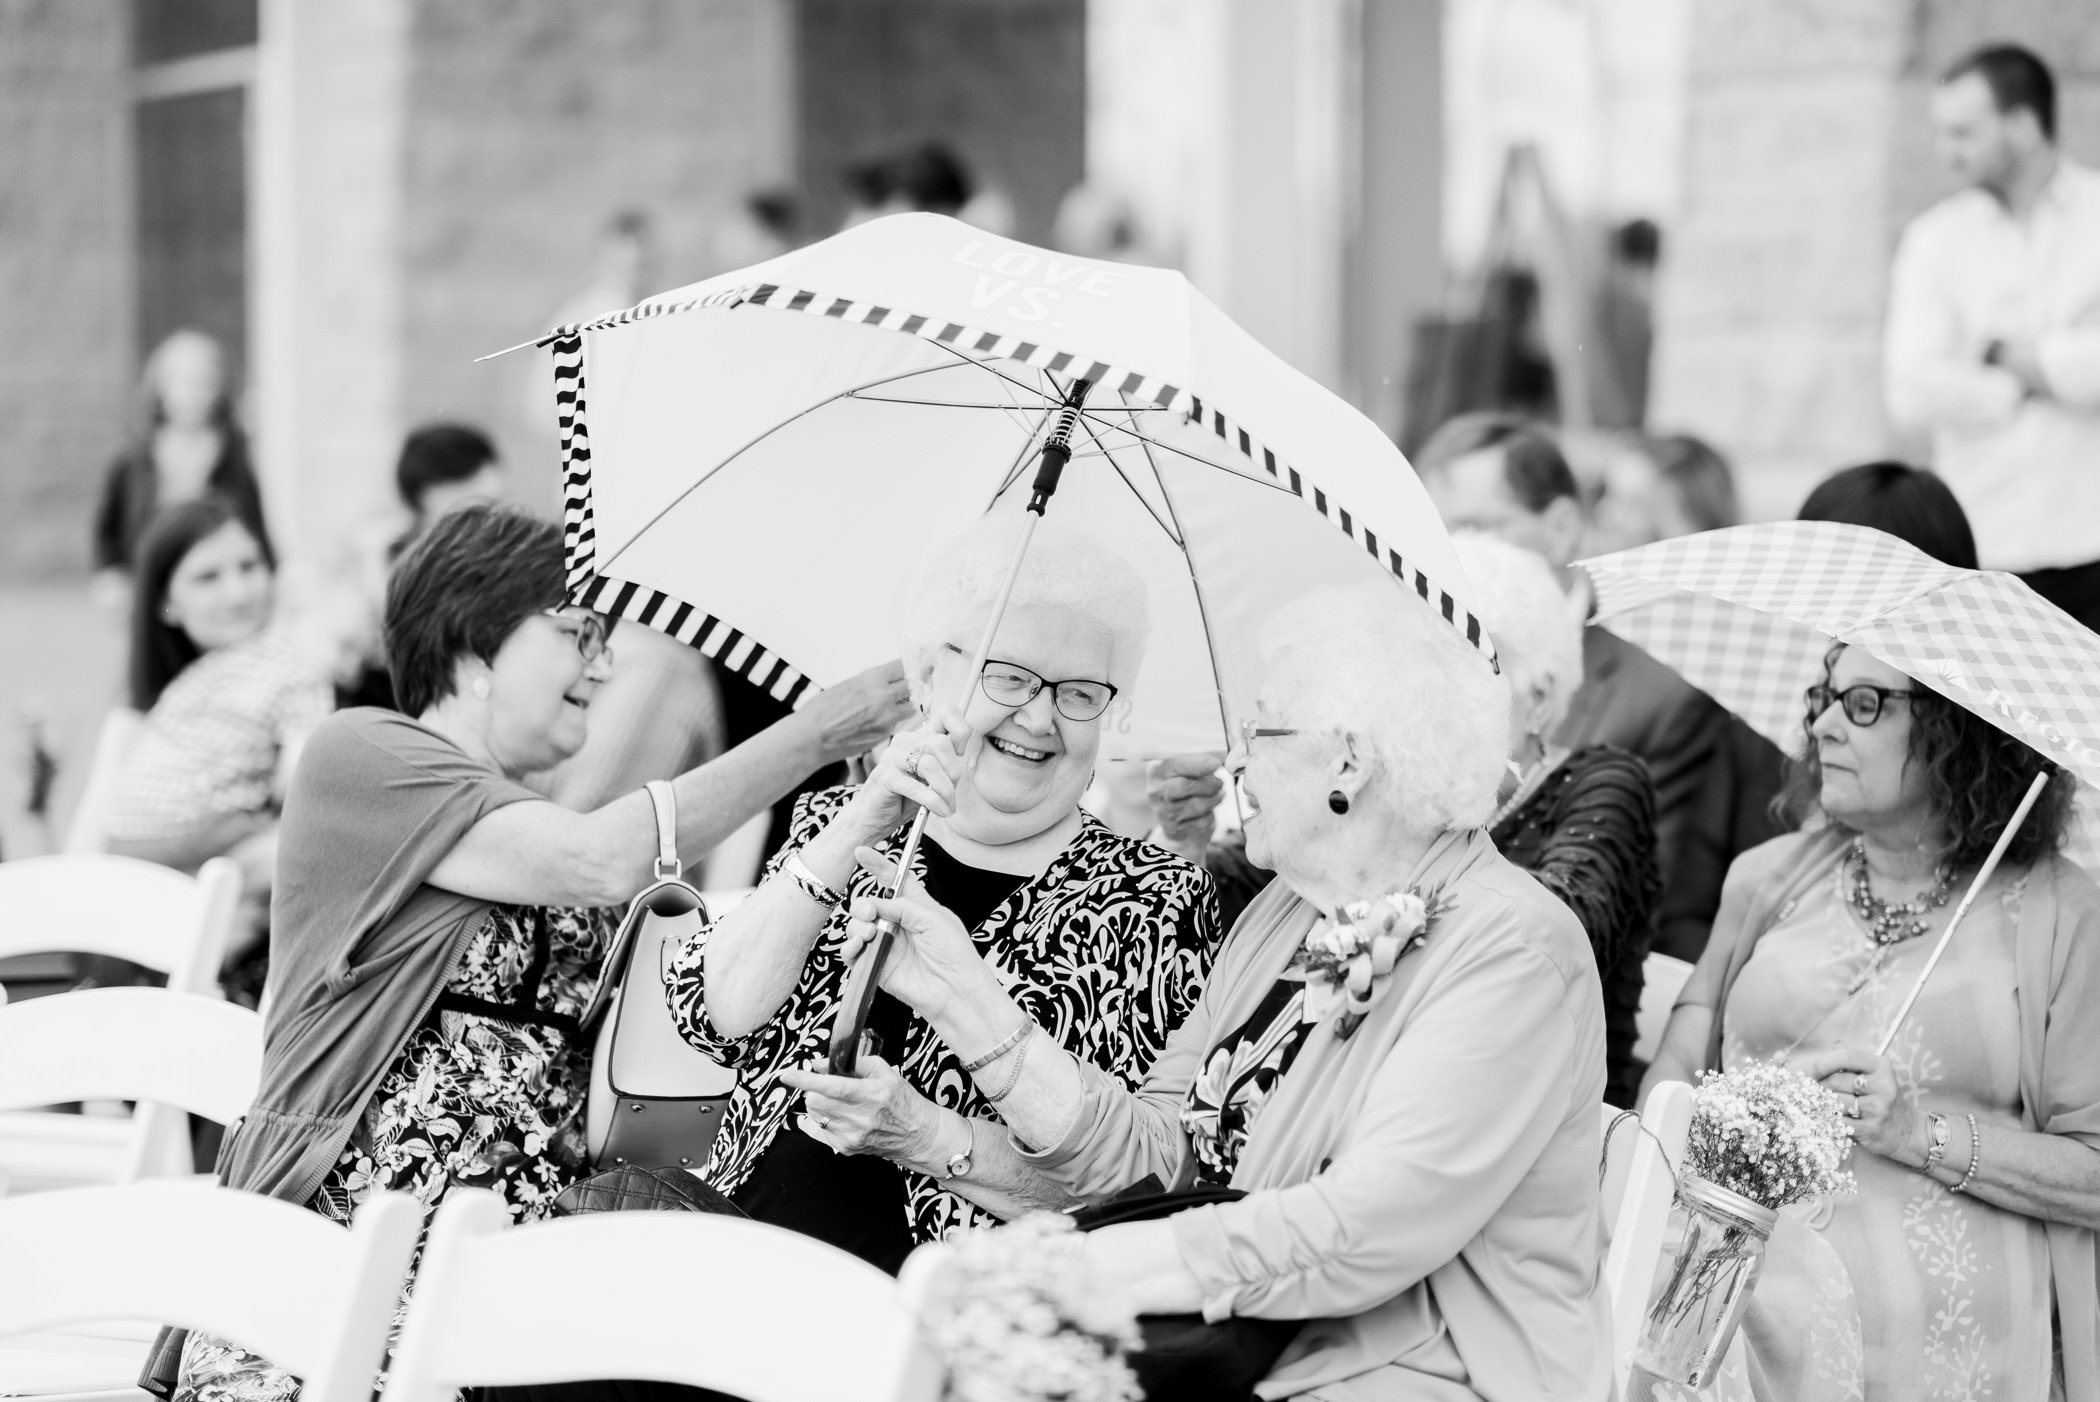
760,463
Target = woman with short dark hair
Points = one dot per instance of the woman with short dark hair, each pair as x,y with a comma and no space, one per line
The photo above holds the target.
1967,1255
1908,503
439,927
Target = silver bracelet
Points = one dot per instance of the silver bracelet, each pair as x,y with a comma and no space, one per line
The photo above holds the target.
1975,1153
1013,1077
812,885
1006,1044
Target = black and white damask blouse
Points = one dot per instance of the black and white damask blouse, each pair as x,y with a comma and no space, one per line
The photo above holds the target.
1107,951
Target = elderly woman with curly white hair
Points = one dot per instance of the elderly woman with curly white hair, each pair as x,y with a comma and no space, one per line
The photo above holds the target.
1581,821
1398,1058
1105,940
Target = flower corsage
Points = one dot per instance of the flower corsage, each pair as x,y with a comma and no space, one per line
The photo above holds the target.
1346,963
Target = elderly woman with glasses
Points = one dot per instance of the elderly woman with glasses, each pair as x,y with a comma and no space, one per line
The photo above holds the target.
1967,1254
1104,939
1398,1059
438,926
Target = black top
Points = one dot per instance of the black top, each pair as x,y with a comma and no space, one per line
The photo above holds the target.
1588,835
858,1204
131,494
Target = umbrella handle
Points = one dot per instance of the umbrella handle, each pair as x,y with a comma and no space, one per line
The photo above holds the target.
1983,874
858,996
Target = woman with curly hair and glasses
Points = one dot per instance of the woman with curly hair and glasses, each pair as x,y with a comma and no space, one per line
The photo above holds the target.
1964,1265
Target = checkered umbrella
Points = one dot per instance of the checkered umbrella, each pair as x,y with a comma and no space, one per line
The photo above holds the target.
1747,613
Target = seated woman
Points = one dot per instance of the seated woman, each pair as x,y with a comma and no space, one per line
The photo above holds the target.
1582,821
1968,1249
1103,938
1421,1176
228,699
438,926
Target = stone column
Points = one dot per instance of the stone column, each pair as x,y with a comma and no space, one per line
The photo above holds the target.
1808,147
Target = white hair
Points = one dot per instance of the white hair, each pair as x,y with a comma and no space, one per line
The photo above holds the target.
1536,633
1066,568
1375,662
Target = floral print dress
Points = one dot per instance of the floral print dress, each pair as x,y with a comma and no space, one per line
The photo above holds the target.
488,1093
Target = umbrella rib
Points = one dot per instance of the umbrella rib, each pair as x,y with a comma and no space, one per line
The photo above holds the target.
1252,477
1217,674
1172,534
852,392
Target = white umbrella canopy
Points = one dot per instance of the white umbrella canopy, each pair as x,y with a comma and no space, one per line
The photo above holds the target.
763,463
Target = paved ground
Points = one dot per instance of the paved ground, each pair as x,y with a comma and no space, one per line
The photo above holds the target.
62,658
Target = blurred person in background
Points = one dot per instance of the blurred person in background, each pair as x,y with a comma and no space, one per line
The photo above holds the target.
1662,488
1908,503
1581,821
228,701
185,442
1626,319
1502,476
444,466
928,177
26,772
763,224
1993,336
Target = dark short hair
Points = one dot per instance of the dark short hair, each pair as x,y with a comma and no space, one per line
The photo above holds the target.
462,590
1637,241
1701,477
1533,468
159,649
1976,775
437,454
2016,76
931,177
1908,503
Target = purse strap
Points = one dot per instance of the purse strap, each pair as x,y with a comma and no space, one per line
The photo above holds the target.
665,801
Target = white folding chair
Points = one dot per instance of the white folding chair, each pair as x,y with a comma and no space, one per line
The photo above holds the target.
99,904
710,1301
1641,1154
302,1291
112,743
1662,979
171,1052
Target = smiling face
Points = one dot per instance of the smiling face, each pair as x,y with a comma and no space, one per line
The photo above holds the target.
1868,781
1284,782
219,594
1027,765
1979,144
539,690
1471,492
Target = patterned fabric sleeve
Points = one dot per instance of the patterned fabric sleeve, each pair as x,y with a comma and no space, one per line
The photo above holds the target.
685,978
1599,855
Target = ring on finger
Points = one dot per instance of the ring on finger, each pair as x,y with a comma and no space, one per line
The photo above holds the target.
824,1123
1851,1111
911,766
1859,1085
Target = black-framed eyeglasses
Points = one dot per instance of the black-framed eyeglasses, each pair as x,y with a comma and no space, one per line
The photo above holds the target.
590,634
1011,685
1250,731
1863,702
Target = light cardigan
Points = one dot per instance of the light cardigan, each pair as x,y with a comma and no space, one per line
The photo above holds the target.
1425,1192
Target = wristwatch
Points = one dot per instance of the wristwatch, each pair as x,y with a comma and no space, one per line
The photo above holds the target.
959,1164
1936,1140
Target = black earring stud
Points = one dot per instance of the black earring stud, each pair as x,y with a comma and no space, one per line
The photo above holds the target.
1338,801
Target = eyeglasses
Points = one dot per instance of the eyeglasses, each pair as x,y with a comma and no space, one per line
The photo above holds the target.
1250,731
590,634
1862,702
1014,686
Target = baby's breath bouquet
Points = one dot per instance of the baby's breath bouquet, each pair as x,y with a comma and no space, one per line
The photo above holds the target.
1770,1134
1016,1317
1763,1136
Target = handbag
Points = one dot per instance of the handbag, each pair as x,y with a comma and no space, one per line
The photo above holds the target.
655,1100
632,1188
1183,1357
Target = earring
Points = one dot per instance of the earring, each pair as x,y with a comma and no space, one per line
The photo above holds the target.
480,688
1338,801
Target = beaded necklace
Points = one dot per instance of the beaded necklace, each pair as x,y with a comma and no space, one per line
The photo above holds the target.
1891,922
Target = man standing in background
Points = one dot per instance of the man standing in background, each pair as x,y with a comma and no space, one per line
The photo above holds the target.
1994,328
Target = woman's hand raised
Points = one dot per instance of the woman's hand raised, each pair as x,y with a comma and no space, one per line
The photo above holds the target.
860,712
919,768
